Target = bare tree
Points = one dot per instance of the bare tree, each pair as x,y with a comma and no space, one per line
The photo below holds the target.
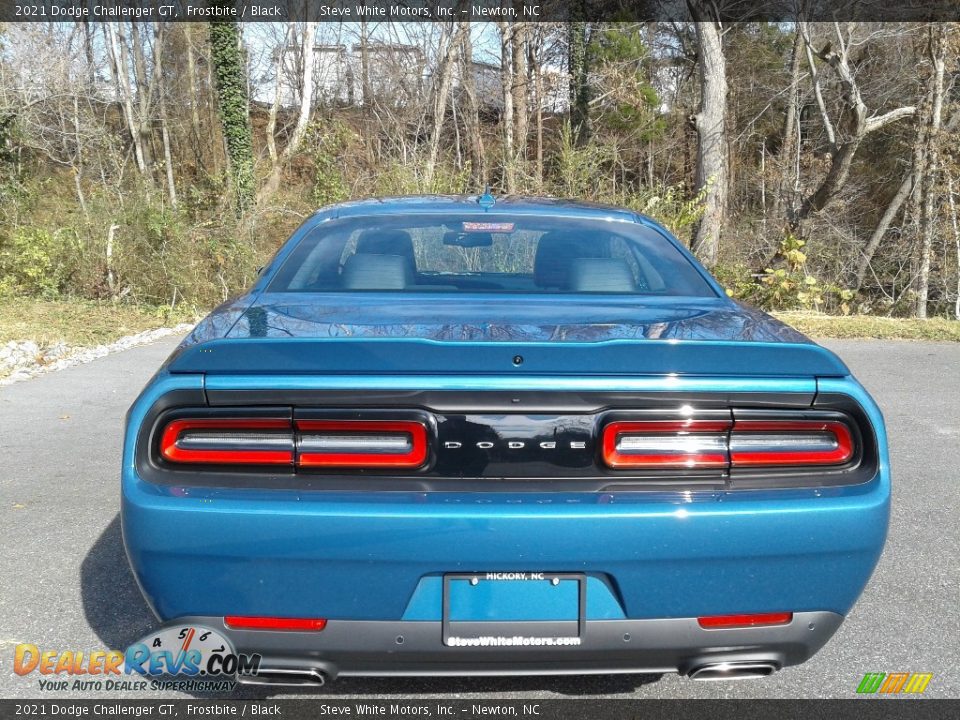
271,132
955,225
854,122
535,48
441,91
475,150
937,48
121,77
518,88
308,37
710,123
506,81
159,38
578,68
789,151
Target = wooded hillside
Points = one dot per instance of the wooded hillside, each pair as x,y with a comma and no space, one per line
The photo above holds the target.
812,165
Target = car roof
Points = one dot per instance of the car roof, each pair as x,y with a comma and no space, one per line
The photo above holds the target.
515,204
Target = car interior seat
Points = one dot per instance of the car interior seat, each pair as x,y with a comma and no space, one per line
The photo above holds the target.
556,253
366,271
607,275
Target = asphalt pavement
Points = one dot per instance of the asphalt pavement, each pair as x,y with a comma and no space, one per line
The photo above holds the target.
65,583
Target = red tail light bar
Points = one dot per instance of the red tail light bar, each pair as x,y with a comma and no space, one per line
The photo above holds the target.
723,444
228,441
790,442
374,444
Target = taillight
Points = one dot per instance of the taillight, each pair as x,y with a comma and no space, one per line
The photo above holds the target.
362,443
248,622
723,444
666,444
358,444
716,622
767,443
228,441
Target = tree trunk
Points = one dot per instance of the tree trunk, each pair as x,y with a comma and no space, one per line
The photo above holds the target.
226,56
579,86
145,87
195,130
955,223
121,77
275,106
365,93
873,243
710,123
938,51
167,155
471,121
518,77
88,54
538,105
783,202
164,129
441,91
506,82
307,42
78,161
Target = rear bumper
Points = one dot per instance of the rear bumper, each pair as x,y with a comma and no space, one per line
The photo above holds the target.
364,556
373,648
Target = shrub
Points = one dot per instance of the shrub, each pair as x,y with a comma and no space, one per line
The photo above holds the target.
785,288
33,262
329,141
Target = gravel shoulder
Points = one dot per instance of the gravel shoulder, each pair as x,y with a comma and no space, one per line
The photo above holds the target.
25,359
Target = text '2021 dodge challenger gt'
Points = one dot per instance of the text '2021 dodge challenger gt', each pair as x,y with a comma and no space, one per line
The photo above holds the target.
453,435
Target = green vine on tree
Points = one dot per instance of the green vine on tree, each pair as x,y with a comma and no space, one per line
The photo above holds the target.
231,80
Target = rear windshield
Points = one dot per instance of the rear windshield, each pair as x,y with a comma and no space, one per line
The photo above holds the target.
411,254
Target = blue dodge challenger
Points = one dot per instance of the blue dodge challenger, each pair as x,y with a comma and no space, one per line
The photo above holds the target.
478,436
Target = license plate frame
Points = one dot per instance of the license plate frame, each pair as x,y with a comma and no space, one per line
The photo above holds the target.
543,629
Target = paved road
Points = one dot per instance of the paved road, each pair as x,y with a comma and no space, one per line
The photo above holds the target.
64,581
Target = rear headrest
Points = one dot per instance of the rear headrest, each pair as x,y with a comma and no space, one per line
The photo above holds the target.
556,252
376,272
608,275
387,242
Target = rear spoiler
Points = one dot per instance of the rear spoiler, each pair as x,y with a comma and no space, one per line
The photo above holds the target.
380,356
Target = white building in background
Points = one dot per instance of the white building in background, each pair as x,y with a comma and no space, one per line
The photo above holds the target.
395,74
333,82
398,75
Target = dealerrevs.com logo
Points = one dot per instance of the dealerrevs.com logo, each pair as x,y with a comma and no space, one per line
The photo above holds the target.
188,658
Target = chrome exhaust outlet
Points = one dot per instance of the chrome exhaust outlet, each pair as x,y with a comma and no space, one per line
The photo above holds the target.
300,677
733,671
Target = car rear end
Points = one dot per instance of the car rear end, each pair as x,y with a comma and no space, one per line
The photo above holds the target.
409,504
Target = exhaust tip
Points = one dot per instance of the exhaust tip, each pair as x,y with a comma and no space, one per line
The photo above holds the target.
290,677
733,671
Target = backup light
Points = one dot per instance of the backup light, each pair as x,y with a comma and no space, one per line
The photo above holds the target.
362,443
666,444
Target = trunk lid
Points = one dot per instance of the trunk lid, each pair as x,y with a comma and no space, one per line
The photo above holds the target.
374,333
